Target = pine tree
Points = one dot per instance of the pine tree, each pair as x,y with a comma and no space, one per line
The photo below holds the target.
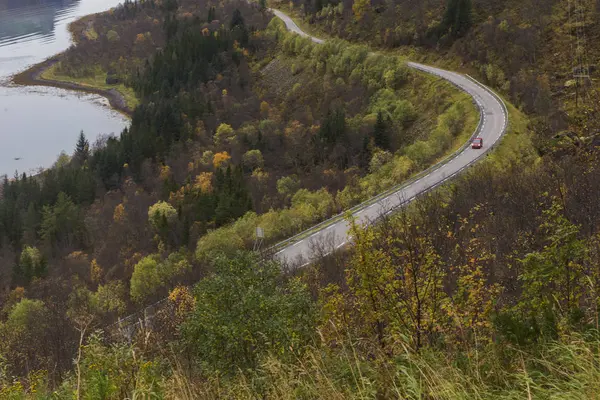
82,149
237,19
333,127
457,18
31,223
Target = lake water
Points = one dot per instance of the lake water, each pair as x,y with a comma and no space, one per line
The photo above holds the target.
37,123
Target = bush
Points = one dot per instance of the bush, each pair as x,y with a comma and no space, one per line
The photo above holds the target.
224,135
152,273
112,36
253,159
288,185
161,214
379,159
244,312
219,241
321,200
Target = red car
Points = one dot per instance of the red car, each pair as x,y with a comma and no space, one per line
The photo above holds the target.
477,143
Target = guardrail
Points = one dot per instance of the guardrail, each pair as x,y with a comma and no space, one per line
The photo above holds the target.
128,324
455,154
367,203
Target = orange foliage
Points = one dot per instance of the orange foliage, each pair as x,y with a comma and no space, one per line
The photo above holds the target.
220,158
204,182
119,214
16,295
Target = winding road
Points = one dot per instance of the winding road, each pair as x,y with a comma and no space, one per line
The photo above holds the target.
323,238
333,234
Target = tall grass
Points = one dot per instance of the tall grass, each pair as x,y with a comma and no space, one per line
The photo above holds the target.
569,369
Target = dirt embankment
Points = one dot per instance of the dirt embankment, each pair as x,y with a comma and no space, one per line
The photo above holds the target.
33,77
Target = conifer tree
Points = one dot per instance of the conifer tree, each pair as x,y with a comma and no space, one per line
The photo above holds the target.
82,149
457,18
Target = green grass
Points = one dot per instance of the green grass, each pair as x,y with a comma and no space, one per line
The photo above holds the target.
516,147
97,81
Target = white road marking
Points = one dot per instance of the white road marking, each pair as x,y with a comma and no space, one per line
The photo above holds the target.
481,96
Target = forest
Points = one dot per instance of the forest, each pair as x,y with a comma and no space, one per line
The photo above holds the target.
485,288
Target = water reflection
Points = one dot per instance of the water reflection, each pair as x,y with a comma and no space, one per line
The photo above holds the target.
36,124
25,20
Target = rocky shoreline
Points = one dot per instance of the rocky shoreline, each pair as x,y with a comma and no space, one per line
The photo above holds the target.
33,77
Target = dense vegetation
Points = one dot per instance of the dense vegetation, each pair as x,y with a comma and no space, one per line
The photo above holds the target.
470,293
239,124
487,288
528,50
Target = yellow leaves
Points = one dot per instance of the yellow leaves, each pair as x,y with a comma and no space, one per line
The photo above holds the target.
205,32
201,184
220,159
204,182
224,92
13,390
119,213
140,38
183,300
165,173
334,313
77,255
360,8
264,109
95,271
294,129
178,196
260,176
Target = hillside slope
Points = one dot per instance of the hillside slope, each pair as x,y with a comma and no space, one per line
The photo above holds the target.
529,50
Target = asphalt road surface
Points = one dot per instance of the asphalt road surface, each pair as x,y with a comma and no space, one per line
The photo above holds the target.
323,240
492,127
